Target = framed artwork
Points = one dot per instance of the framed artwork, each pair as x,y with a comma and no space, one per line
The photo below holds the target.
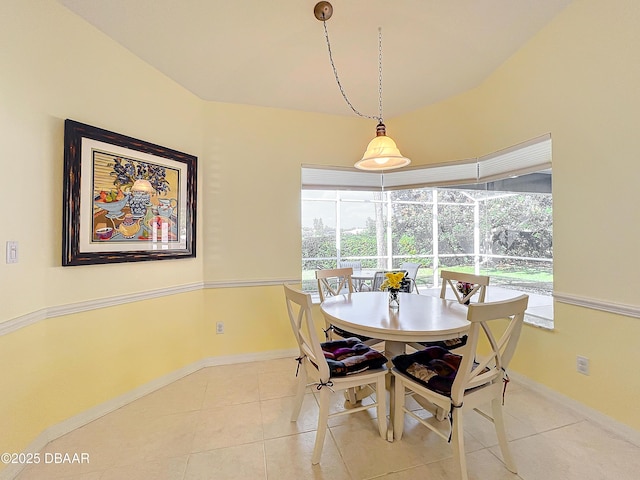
125,200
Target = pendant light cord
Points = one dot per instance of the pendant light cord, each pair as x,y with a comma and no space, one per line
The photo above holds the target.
335,73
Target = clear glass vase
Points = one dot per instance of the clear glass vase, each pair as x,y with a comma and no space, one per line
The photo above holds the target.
394,299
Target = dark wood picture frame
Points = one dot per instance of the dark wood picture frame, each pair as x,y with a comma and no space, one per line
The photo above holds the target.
125,200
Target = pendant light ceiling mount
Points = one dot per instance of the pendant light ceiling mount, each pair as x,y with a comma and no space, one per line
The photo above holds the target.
323,11
382,152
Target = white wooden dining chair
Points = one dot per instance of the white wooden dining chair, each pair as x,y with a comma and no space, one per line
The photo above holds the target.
354,264
315,371
378,280
336,281
450,281
455,384
449,290
412,272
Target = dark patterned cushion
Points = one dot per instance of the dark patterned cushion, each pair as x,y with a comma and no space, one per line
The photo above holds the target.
349,356
448,344
346,334
434,367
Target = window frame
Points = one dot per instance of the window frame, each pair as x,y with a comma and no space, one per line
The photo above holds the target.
528,157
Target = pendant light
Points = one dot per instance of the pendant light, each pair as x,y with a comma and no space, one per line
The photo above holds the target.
382,152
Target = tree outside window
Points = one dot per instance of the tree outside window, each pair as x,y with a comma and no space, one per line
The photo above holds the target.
505,234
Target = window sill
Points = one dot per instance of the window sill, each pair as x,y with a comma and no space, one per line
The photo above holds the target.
539,314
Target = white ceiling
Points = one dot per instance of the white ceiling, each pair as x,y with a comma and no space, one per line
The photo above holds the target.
273,53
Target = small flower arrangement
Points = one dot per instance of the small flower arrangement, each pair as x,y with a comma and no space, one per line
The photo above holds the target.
465,289
395,281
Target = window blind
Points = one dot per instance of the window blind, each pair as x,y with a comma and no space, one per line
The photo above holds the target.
527,157
337,178
457,173
531,156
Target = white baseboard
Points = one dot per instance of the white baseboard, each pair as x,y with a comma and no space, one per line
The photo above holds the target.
88,416
77,421
622,430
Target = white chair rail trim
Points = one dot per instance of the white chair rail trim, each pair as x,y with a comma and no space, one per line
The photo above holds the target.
22,321
252,283
596,304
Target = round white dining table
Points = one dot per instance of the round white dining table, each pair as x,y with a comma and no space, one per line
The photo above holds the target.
420,318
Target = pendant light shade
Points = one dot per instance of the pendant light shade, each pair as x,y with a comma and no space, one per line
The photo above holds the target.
382,153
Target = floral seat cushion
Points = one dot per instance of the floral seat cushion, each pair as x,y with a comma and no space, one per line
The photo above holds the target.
448,344
346,334
434,367
349,356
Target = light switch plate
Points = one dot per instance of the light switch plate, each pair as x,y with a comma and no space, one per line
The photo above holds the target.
12,252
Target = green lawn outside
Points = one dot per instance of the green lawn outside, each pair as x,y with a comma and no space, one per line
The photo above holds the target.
521,277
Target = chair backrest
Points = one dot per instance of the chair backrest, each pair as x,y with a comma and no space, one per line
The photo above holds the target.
451,279
299,309
479,368
411,269
379,278
334,281
355,265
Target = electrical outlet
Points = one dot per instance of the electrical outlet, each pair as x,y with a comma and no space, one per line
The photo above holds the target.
219,327
582,365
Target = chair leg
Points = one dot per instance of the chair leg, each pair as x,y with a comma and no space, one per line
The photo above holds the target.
457,443
323,417
498,421
398,409
300,391
381,399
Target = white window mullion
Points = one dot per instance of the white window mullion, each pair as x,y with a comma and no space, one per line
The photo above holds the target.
434,239
476,237
338,229
387,200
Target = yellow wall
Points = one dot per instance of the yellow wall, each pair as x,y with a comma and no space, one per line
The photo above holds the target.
577,79
60,367
255,321
252,185
55,66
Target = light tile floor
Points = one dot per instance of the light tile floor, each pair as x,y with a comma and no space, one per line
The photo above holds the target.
232,422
